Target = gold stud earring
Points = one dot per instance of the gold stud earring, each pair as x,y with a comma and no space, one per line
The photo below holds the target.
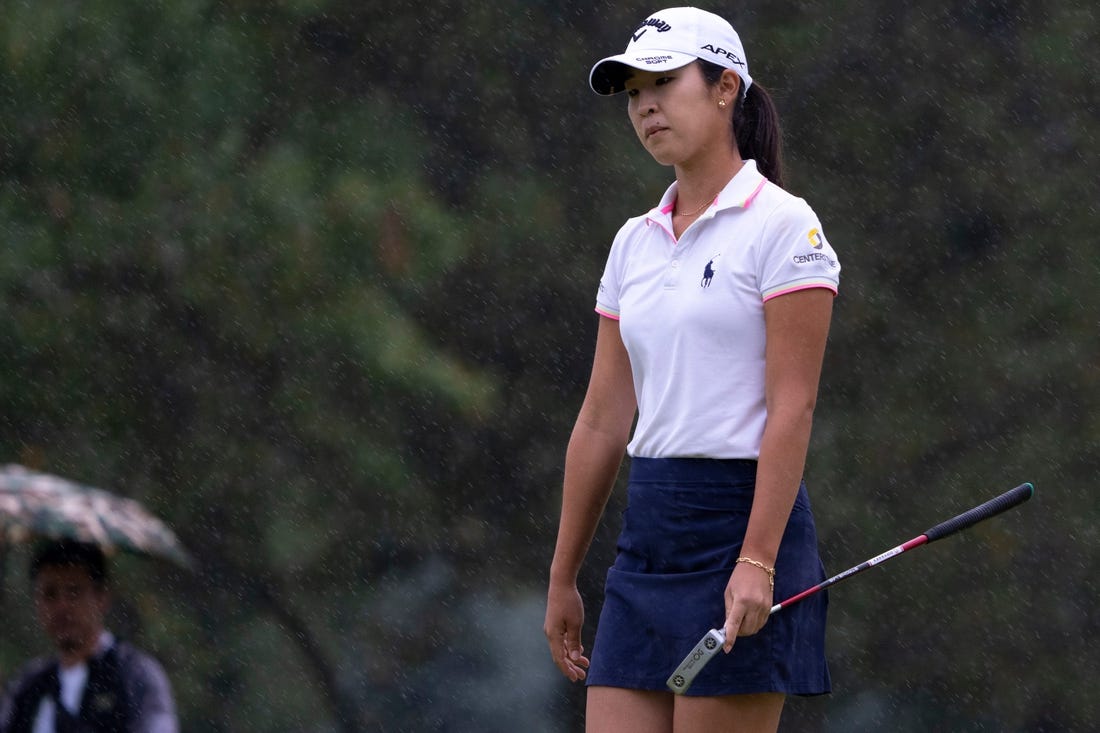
722,103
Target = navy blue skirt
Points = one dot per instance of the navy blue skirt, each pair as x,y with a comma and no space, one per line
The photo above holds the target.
681,535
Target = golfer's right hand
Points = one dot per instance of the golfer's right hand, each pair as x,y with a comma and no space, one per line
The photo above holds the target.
564,619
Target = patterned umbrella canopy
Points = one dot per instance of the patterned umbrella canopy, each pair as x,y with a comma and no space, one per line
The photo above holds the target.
36,504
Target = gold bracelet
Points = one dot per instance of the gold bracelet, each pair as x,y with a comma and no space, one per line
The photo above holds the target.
762,566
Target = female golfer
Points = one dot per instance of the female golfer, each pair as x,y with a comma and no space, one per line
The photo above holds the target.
714,309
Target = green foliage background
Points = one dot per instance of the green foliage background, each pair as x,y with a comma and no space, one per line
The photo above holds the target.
313,279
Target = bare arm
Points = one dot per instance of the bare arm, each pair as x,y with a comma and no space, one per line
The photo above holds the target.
592,461
797,327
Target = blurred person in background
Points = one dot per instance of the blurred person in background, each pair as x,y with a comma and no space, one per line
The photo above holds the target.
94,683
714,312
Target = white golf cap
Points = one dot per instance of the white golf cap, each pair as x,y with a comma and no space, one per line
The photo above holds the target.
669,39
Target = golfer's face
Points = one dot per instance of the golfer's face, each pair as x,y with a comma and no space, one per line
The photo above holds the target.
675,114
70,607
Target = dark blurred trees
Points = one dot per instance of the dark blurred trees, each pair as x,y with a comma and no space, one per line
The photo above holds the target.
314,280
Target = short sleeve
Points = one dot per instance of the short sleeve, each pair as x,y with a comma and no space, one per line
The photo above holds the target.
607,297
794,254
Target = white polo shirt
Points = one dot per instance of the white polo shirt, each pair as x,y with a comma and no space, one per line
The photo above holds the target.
691,312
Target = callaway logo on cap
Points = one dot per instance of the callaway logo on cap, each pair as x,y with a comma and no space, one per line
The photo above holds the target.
669,39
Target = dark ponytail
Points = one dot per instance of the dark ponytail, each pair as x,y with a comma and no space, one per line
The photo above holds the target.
755,126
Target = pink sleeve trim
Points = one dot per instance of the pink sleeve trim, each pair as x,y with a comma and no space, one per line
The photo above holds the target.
607,313
805,286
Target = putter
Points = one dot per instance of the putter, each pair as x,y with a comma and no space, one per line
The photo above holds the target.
712,641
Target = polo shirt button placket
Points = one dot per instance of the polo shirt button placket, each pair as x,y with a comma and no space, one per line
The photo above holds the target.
673,274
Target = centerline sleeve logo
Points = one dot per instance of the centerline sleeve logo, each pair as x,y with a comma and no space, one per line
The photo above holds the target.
817,241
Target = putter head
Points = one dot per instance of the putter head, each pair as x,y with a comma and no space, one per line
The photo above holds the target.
694,662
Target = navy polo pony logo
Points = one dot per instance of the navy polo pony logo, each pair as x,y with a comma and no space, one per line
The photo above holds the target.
708,273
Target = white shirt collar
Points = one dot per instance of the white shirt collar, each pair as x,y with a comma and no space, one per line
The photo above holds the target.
738,193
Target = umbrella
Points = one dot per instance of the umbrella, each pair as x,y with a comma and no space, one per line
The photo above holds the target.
36,504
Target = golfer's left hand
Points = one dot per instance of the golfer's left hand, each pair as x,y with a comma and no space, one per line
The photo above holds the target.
748,602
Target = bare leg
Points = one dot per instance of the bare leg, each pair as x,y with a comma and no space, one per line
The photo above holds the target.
757,713
618,710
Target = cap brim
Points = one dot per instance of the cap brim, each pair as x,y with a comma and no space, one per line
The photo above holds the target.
609,75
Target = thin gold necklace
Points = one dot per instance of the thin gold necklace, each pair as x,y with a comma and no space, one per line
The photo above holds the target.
705,205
